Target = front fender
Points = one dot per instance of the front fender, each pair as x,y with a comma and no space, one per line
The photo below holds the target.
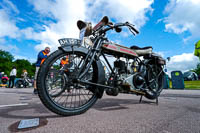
100,69
70,48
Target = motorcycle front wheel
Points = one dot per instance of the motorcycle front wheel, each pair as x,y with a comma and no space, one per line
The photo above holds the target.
58,92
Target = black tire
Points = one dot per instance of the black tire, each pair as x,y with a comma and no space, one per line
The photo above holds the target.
19,84
81,97
155,81
26,84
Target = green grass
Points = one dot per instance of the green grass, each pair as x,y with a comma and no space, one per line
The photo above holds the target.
190,85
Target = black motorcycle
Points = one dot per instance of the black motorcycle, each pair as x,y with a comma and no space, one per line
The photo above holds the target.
73,89
24,83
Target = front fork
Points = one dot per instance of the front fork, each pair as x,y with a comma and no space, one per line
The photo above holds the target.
89,60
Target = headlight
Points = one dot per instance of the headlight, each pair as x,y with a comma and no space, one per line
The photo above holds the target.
82,34
87,42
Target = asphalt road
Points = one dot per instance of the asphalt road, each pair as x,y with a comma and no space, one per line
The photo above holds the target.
178,112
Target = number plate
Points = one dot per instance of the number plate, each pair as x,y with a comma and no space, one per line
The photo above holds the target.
69,41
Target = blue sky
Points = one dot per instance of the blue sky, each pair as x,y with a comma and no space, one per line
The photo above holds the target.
170,26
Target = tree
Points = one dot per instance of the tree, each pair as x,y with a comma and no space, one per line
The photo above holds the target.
197,70
22,64
6,62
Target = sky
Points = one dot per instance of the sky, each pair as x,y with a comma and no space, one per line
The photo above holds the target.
171,27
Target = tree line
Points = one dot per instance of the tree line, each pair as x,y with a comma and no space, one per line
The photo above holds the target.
7,62
197,69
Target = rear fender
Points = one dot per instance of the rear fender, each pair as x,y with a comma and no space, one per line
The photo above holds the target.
98,65
155,59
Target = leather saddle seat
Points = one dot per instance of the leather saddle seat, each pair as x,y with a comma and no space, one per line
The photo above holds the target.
142,51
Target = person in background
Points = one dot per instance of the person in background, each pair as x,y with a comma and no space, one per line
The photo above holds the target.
42,55
13,74
24,74
65,63
1,75
5,76
25,77
4,80
65,60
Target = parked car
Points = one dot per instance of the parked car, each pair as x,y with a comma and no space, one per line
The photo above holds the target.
190,76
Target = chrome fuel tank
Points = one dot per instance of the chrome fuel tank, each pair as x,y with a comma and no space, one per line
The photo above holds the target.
118,50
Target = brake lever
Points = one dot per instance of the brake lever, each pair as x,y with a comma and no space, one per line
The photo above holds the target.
132,31
132,28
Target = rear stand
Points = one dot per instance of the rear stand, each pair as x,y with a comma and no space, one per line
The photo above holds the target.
142,96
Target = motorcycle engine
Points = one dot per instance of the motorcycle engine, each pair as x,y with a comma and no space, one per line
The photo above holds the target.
129,76
121,66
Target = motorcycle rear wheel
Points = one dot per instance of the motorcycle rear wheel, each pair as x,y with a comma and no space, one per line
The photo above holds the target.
71,98
155,81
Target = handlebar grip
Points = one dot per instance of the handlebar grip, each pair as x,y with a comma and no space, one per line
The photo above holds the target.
136,31
132,27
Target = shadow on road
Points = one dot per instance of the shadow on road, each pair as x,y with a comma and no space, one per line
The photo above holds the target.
110,104
37,109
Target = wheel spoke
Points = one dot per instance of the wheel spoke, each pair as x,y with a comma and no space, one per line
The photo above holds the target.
154,78
61,90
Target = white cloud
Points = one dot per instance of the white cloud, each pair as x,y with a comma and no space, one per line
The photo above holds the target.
162,54
183,15
67,12
9,6
183,62
31,60
7,26
42,46
8,47
2,41
133,11
43,6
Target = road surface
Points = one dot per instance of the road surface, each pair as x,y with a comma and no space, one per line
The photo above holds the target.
178,112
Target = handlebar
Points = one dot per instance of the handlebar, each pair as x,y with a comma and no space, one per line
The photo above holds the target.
118,25
132,27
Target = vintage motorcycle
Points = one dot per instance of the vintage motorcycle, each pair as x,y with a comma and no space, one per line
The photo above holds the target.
73,89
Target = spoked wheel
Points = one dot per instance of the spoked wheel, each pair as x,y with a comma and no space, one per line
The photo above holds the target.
155,80
58,90
19,84
55,82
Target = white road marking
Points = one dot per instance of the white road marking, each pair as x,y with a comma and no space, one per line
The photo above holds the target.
7,93
11,105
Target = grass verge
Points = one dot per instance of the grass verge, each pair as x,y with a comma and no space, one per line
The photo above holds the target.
190,85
